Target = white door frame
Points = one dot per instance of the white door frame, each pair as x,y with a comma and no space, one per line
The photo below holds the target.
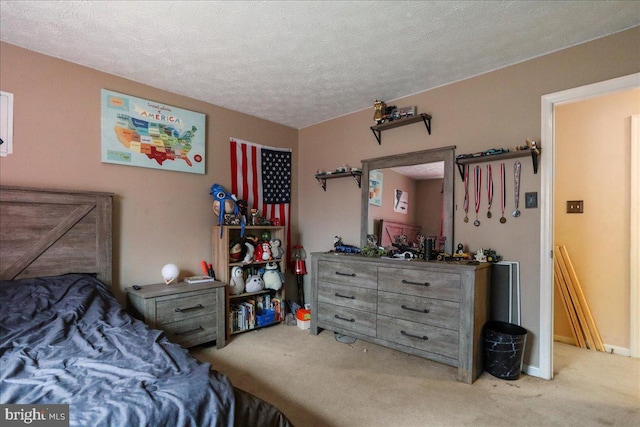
547,158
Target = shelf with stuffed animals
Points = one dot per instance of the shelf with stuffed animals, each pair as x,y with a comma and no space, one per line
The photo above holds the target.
251,259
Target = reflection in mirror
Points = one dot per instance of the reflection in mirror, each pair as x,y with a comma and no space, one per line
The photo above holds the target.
409,194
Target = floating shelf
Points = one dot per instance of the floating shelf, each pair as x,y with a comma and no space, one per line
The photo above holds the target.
322,178
377,129
493,157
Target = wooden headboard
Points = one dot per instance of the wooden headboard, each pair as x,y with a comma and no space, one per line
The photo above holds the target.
389,230
50,232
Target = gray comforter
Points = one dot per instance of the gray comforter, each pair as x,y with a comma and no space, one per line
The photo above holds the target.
66,339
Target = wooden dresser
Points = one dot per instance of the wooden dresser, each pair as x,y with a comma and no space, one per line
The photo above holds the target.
189,314
430,309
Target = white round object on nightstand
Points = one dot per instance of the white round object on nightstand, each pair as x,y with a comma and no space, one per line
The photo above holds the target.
170,273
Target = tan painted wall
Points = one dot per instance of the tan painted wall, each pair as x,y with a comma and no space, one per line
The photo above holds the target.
593,154
498,109
392,181
159,216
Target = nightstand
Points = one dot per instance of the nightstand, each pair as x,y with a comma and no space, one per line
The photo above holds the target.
188,313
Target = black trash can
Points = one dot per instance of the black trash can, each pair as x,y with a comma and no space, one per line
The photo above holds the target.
504,349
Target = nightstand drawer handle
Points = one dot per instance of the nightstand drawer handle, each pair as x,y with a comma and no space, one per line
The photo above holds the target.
423,338
339,273
345,296
182,310
419,310
409,282
344,318
190,331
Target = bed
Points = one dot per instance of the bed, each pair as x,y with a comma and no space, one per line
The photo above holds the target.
65,339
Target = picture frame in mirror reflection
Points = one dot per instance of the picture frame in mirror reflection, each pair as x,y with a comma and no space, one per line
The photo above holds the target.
376,179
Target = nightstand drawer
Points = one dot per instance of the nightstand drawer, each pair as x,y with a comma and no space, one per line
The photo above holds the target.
192,329
184,306
430,284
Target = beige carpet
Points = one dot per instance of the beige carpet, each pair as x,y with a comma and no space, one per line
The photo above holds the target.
317,381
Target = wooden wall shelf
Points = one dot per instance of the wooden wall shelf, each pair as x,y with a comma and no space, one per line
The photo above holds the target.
423,117
322,178
493,157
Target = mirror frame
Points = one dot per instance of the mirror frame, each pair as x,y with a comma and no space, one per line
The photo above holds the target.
444,154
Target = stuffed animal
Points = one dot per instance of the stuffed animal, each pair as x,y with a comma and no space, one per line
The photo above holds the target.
276,249
236,285
272,276
248,258
254,283
224,203
263,251
236,251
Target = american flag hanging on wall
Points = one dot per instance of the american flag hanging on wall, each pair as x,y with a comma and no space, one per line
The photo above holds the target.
261,175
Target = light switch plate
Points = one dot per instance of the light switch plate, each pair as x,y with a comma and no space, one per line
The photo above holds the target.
531,200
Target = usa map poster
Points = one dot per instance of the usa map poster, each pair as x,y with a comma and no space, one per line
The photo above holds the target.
138,132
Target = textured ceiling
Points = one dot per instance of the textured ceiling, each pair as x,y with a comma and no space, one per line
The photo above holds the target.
298,63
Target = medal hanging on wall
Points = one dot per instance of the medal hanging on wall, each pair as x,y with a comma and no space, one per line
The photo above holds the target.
477,181
489,190
466,193
516,181
503,193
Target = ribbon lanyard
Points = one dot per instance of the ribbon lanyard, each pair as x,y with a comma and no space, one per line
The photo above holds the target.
503,193
466,193
489,190
477,181
516,181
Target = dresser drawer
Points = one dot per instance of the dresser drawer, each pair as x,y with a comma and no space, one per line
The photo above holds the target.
430,284
200,328
184,306
419,336
348,273
364,299
362,322
445,314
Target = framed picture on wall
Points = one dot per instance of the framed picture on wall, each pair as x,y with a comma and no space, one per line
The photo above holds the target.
6,123
375,188
400,201
139,132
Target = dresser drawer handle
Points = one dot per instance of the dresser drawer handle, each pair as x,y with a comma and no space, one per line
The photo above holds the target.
190,331
409,282
339,273
419,310
344,318
182,310
345,296
423,338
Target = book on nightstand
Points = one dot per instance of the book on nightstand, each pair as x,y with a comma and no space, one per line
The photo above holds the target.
199,279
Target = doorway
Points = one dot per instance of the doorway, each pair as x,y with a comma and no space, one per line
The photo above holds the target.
549,102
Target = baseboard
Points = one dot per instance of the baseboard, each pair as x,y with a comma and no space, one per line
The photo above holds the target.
565,340
533,371
620,351
613,349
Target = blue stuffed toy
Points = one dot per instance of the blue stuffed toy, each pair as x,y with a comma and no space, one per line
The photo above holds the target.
225,202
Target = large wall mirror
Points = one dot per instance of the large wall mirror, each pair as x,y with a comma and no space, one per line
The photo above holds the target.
410,193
